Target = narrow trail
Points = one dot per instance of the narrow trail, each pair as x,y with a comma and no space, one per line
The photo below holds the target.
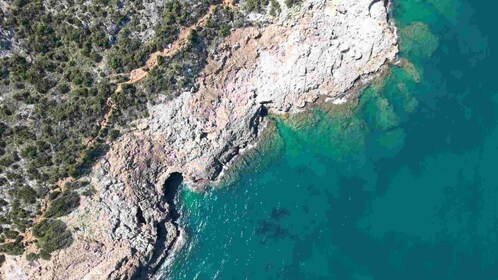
141,73
28,237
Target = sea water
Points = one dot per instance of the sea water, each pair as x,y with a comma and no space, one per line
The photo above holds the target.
401,185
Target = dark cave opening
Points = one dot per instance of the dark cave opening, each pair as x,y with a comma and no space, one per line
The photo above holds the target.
170,189
161,247
140,216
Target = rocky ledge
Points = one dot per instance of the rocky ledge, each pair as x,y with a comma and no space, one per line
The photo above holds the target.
128,227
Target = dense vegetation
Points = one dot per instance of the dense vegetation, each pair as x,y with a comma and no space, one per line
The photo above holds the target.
59,67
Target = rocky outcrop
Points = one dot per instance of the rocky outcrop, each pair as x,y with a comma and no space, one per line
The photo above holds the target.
320,49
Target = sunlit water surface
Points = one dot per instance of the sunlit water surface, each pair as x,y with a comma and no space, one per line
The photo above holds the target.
403,187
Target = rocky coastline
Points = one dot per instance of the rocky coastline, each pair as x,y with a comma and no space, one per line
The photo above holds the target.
127,229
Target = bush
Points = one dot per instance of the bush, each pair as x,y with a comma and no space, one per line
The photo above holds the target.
27,194
53,195
275,8
114,134
44,255
31,257
86,161
12,248
256,5
63,88
2,259
63,204
51,235
174,12
224,31
290,3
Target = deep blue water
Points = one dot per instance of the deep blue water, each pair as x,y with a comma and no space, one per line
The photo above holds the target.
402,186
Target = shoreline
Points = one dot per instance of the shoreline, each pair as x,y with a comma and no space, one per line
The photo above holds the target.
267,139
325,103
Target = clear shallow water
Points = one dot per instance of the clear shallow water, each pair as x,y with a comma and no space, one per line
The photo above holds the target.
404,186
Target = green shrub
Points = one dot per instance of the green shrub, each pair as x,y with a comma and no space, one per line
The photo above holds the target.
52,235
74,185
224,31
275,8
12,248
90,155
63,88
44,255
27,194
31,257
290,3
114,134
63,204
10,234
174,12
2,259
256,5
30,152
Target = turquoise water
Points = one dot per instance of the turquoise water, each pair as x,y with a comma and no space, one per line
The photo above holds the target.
402,186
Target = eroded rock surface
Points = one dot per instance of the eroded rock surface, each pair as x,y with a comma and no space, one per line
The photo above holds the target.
322,51
128,227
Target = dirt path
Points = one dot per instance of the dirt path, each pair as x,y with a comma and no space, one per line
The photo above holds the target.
139,74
